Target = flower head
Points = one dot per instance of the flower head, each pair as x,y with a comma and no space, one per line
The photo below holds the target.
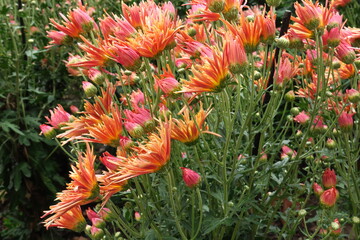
71,219
188,130
83,188
209,76
58,116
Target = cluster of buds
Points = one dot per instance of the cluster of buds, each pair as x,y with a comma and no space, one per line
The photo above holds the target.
331,194
98,221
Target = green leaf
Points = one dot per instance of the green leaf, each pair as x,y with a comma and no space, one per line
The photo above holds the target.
8,125
212,223
25,169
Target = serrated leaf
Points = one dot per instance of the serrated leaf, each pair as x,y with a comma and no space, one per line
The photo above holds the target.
8,125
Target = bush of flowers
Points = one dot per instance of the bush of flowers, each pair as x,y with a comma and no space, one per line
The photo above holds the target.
221,125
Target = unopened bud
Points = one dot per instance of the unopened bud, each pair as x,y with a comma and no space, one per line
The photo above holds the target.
290,96
282,43
295,111
89,89
302,213
355,220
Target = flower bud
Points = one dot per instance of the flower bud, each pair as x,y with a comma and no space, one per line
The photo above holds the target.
190,177
317,189
257,75
330,143
335,228
355,220
328,198
282,43
302,118
263,157
48,131
353,95
96,233
302,213
74,109
329,178
290,96
346,121
137,216
89,89
295,111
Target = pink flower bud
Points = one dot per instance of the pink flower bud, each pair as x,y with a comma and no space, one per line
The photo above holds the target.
302,118
346,121
190,177
48,131
317,189
353,95
89,89
74,109
137,216
329,178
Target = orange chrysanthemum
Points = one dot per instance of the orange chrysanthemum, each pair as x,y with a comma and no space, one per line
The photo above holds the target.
248,31
147,158
108,130
83,188
92,115
157,34
210,76
188,130
72,219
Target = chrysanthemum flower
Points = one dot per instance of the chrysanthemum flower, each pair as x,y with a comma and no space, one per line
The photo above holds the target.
120,28
248,31
58,117
167,82
188,130
72,219
83,188
77,23
147,158
235,55
210,76
108,130
308,15
78,128
157,34
285,73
